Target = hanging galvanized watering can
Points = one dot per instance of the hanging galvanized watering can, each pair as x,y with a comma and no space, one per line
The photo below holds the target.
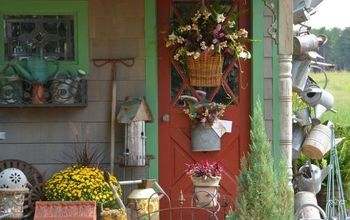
310,42
319,98
305,205
300,72
302,117
37,69
311,178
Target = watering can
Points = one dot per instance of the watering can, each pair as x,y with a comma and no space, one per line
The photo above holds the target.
298,133
300,72
319,98
37,69
311,178
309,42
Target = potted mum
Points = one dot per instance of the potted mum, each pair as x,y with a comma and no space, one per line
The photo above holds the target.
203,116
83,183
205,177
202,41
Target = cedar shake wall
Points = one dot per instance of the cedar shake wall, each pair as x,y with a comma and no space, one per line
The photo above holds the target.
40,136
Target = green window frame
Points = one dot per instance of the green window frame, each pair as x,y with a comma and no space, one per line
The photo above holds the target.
77,8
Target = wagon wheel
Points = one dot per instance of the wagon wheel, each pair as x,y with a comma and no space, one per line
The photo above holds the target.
36,186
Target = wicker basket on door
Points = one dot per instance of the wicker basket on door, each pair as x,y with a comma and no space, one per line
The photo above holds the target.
205,71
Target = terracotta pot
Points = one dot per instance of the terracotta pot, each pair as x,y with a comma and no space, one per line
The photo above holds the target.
38,94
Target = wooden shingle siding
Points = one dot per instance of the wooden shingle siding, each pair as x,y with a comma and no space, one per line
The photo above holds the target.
40,136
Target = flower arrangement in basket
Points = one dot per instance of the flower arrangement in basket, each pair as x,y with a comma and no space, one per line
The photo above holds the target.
205,177
205,113
201,42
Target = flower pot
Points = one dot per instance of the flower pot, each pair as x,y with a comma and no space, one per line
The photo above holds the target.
113,214
205,191
11,90
12,200
69,210
143,203
206,70
64,91
204,138
38,94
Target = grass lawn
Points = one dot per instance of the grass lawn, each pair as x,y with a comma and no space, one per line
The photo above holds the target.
339,86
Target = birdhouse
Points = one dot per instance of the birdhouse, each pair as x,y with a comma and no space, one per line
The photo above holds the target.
134,112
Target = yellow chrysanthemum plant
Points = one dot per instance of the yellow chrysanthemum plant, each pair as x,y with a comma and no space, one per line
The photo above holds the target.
82,183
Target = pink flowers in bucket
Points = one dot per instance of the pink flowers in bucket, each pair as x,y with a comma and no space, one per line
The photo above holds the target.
204,169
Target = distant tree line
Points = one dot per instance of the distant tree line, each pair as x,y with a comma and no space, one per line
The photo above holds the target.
337,48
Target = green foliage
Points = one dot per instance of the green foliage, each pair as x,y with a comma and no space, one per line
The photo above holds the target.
262,192
343,150
337,49
338,86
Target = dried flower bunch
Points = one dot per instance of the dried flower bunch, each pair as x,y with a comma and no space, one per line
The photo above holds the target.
207,31
204,169
80,183
206,113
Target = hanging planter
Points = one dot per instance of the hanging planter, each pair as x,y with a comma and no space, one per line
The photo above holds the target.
206,70
204,138
201,41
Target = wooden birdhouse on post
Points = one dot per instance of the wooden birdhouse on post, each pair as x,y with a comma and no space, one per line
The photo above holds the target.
134,112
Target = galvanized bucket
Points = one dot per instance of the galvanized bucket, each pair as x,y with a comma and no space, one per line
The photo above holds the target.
318,142
305,203
204,138
297,140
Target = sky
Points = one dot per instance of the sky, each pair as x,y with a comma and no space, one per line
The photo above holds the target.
331,13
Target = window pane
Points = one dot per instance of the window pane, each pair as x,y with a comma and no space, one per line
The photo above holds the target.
44,35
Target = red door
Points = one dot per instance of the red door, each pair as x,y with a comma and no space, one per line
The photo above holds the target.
174,125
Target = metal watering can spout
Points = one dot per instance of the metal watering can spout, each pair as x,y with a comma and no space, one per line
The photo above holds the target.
324,172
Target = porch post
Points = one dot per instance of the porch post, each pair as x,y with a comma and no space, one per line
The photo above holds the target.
285,51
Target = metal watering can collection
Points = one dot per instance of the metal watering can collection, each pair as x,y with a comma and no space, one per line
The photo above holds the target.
310,136
317,142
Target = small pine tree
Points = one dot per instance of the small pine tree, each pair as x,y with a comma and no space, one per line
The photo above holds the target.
263,194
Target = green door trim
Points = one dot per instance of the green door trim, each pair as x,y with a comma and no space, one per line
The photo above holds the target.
257,36
151,62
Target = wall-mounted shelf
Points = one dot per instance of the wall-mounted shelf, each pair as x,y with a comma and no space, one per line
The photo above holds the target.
17,94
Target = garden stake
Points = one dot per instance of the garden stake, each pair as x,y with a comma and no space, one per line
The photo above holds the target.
334,179
129,62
